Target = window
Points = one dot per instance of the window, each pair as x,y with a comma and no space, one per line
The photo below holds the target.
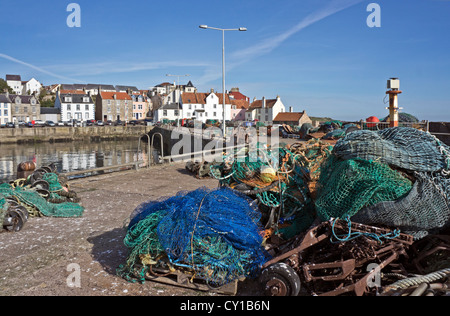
215,106
177,113
214,114
86,107
78,107
68,107
5,112
86,115
165,113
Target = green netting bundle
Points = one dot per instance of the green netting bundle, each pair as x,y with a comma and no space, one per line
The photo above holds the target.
39,206
3,209
398,177
347,186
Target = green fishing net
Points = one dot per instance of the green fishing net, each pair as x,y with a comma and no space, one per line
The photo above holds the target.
347,186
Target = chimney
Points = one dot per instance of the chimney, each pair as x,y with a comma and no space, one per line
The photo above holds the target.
291,109
264,102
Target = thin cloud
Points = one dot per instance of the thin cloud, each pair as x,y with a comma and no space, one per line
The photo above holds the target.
268,45
36,68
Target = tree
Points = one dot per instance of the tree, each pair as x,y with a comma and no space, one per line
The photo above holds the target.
4,87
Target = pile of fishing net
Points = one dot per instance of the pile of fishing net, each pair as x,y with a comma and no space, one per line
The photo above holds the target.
282,179
214,235
398,177
44,193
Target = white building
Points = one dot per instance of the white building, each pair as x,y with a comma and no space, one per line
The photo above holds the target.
170,112
5,109
31,86
265,110
75,106
15,82
205,106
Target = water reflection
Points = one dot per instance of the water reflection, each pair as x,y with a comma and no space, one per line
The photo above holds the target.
69,157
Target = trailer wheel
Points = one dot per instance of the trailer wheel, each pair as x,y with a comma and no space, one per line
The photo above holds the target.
13,221
280,280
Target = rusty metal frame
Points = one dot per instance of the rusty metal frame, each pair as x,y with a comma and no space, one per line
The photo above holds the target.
343,271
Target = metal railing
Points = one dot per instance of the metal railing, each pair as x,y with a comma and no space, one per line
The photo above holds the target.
377,126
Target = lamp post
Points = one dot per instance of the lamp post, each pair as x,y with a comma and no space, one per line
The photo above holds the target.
241,29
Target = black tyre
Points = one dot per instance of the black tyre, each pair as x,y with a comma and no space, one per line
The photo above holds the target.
280,280
13,221
41,184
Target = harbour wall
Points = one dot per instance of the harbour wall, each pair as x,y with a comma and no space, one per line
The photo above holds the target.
70,134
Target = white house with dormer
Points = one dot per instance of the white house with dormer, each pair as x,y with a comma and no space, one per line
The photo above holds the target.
205,106
265,110
75,107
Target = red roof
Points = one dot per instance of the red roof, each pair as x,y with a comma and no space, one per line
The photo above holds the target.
258,104
240,104
119,95
289,117
200,98
238,96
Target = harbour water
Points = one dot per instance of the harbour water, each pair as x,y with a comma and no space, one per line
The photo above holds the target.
69,157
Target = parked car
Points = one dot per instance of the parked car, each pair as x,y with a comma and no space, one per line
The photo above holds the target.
60,123
90,122
109,122
39,123
50,123
99,123
22,124
134,122
119,123
10,125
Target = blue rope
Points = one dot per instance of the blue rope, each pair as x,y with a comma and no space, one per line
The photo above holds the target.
354,235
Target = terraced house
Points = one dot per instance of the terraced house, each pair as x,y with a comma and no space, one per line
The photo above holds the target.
114,106
25,108
75,106
5,109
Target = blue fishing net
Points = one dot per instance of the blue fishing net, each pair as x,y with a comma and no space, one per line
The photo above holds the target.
215,234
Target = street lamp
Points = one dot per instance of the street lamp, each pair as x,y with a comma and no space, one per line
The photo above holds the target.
241,29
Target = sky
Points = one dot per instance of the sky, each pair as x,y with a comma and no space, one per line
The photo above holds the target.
317,55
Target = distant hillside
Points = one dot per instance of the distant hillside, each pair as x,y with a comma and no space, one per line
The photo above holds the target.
320,119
